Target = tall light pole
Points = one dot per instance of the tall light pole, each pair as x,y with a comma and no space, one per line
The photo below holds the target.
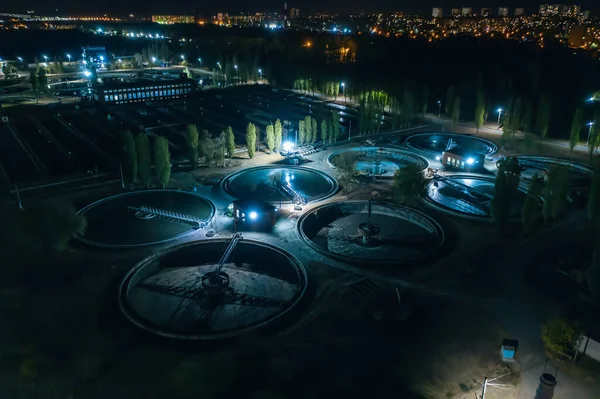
69,57
152,63
182,57
439,109
20,59
591,125
344,90
260,73
236,73
499,115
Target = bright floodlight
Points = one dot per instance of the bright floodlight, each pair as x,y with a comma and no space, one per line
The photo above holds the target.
438,157
153,59
87,73
439,102
101,58
470,161
45,57
499,109
287,146
259,70
343,84
591,124
182,57
253,215
591,99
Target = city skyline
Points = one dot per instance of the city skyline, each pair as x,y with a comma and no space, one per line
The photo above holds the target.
308,6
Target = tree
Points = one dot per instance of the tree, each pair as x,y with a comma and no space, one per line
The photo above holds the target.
324,130
505,191
142,146
531,206
162,161
230,141
527,116
456,110
543,117
409,181
191,144
50,226
129,161
335,126
210,150
308,130
313,128
33,80
449,100
479,109
560,335
555,195
42,80
270,133
515,116
576,127
593,205
278,132
251,139
424,99
301,132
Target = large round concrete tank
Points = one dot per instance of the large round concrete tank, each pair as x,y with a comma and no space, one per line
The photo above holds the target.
546,388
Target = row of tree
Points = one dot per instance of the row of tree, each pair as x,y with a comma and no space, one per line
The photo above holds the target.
137,159
310,131
211,149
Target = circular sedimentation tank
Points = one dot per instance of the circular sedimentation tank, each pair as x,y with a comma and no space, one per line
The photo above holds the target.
146,217
468,195
393,234
579,174
273,183
377,161
174,294
440,142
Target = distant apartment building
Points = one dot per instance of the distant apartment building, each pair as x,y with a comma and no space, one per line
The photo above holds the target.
576,36
467,11
519,12
294,13
455,12
503,12
173,19
486,12
437,13
559,10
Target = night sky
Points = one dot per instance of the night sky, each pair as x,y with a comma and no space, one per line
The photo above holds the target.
209,7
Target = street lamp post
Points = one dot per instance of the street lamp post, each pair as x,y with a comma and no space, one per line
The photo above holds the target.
69,57
499,115
153,60
236,73
439,109
591,125
344,91
260,73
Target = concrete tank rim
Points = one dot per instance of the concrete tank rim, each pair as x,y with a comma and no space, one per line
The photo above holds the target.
426,199
98,244
493,146
365,262
129,314
334,183
377,148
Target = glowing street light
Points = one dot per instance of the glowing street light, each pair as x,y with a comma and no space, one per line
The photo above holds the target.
260,72
182,57
87,74
253,215
343,90
499,115
287,146
200,60
69,57
470,161
439,109
590,124
45,57
235,66
20,59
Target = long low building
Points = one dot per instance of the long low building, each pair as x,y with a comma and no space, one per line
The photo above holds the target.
142,91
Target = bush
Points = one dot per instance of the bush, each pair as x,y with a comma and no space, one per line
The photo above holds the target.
560,335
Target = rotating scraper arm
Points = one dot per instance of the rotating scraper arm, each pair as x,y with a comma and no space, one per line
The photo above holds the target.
233,242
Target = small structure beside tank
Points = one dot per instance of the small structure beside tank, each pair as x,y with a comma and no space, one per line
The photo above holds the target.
254,214
508,350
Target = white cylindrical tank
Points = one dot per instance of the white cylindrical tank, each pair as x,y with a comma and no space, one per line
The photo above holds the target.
546,388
